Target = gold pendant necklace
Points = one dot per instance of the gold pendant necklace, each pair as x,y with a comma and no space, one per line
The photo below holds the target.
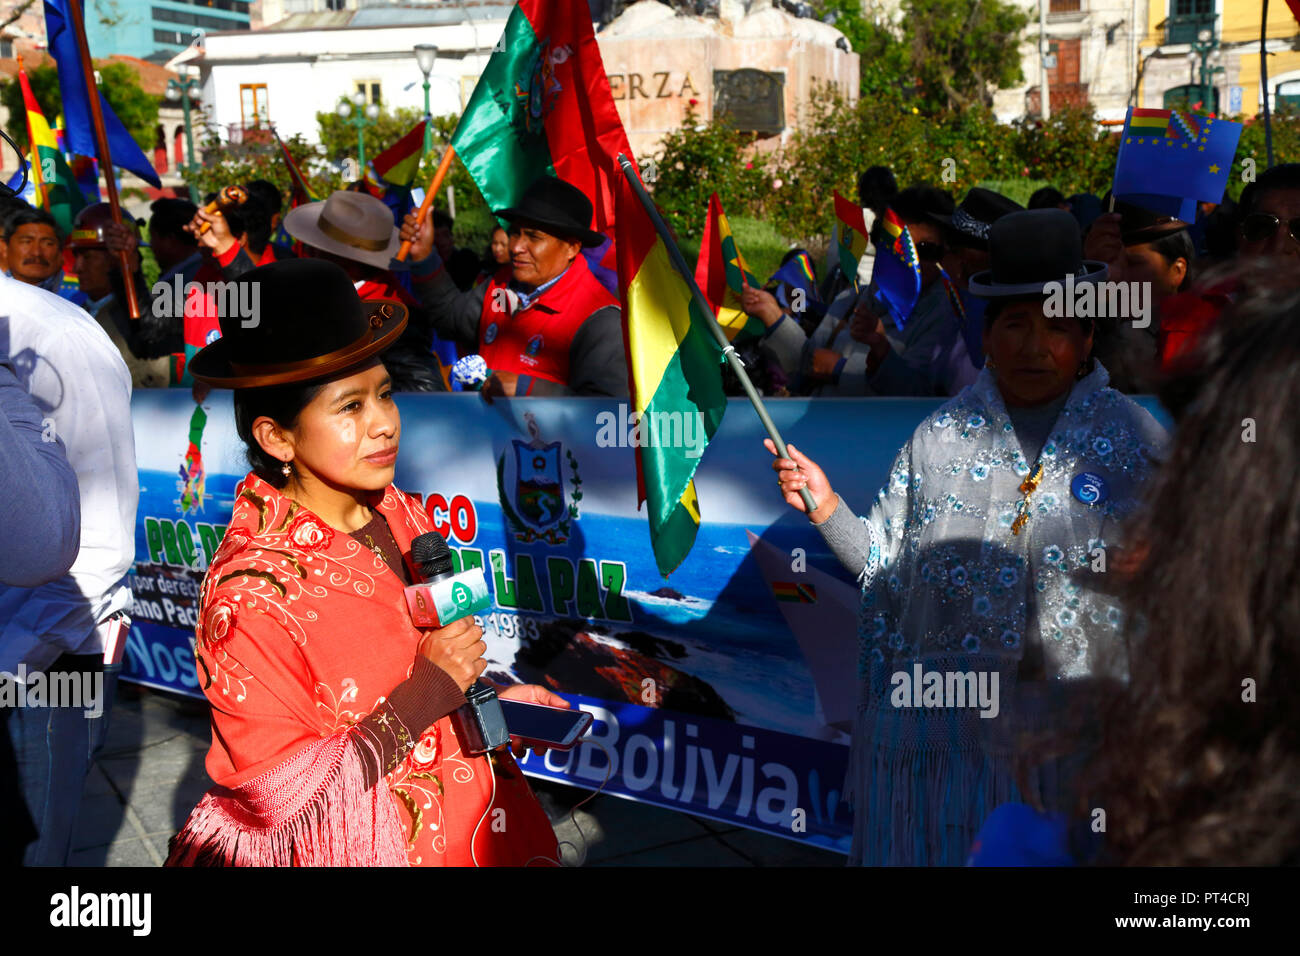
1027,488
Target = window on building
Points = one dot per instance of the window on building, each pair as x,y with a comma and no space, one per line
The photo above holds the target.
1065,6
253,108
6,48
1288,93
1192,8
370,90
1187,97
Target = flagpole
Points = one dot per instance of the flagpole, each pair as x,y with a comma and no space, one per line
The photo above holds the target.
101,145
434,186
728,351
1263,77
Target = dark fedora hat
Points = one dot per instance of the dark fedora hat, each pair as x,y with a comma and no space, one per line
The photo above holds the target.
1138,224
974,216
309,323
558,207
1031,248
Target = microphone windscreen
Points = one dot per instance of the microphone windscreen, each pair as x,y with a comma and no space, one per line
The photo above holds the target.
431,555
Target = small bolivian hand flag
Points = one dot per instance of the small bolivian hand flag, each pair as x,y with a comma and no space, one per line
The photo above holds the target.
722,275
1169,161
852,243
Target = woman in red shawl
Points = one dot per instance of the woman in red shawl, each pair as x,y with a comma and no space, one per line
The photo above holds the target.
331,743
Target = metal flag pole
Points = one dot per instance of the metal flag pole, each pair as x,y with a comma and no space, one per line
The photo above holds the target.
1263,79
78,26
702,304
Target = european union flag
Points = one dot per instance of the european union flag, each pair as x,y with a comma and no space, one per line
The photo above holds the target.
1169,161
79,128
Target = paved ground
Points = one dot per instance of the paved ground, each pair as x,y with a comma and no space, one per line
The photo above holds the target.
151,774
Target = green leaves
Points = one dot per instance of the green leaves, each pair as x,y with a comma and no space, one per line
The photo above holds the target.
119,83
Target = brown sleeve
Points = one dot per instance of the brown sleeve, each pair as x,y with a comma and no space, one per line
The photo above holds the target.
394,727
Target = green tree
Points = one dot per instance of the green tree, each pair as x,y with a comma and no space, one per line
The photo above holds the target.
703,158
962,50
137,110
883,59
119,83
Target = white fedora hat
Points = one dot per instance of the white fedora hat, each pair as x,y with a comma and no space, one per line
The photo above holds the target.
349,224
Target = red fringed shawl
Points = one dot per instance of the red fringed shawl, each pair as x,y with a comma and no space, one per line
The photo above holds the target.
303,632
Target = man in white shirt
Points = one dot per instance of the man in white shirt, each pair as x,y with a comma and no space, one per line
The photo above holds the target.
78,379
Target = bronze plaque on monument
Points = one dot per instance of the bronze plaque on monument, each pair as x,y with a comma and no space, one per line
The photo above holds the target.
750,100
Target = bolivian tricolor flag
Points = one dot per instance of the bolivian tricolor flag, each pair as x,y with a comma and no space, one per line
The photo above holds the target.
398,164
56,188
721,273
675,378
853,239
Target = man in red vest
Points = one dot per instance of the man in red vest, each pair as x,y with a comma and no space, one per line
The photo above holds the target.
544,324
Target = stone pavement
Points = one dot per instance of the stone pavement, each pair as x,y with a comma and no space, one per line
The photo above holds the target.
150,775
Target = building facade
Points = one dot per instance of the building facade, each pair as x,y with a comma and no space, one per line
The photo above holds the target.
157,30
755,66
1208,51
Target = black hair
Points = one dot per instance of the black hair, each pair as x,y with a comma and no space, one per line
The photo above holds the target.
1283,176
1191,770
234,216
282,404
877,187
169,217
26,217
1049,197
10,205
920,203
1176,245
267,193
441,219
257,224
1221,231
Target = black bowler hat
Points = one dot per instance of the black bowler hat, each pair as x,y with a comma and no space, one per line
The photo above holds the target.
558,207
310,323
1138,224
1031,248
979,209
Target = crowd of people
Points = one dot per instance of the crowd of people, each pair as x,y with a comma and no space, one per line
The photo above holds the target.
979,554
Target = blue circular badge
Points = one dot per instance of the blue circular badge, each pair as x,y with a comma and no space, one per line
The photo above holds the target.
213,335
1090,488
490,334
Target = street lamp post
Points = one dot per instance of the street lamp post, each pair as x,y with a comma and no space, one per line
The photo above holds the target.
183,90
365,117
425,55
1205,48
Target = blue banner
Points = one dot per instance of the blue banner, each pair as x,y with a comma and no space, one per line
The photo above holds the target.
727,691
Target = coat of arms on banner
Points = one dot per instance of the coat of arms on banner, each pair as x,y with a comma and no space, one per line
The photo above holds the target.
534,503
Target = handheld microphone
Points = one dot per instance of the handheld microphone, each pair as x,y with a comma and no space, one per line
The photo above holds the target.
444,597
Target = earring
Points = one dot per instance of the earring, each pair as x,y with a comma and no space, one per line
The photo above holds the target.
286,469
988,363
